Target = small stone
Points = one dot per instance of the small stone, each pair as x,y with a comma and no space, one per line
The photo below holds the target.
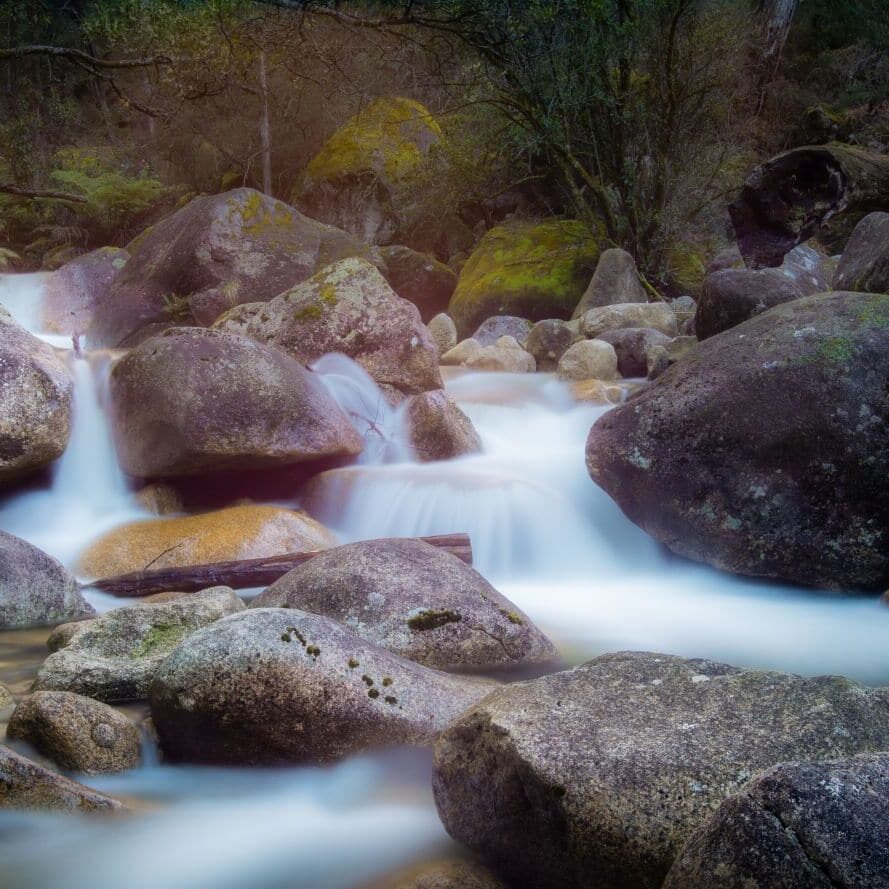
589,360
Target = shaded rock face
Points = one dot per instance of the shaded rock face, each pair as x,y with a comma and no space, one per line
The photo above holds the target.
589,360
490,330
35,402
26,785
439,430
193,401
77,733
242,244
453,873
548,341
73,292
114,657
443,332
419,278
764,451
632,346
354,180
797,826
616,280
347,308
529,270
35,590
656,316
277,685
597,776
864,265
415,600
240,532
662,357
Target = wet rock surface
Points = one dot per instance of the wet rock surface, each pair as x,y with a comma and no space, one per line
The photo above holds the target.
439,430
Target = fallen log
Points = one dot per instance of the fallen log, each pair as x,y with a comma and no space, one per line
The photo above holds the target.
786,199
242,574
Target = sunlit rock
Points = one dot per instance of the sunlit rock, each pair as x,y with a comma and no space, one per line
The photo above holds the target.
658,316
588,360
438,429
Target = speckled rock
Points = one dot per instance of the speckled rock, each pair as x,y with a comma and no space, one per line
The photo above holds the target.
6,699
461,353
662,357
443,332
438,429
35,589
658,316
506,355
448,873
26,785
764,452
64,633
277,685
193,401
349,308
599,775
115,656
633,346
77,733
864,264
548,341
240,244
226,535
415,600
491,329
420,279
797,826
35,402
684,307
616,280
589,360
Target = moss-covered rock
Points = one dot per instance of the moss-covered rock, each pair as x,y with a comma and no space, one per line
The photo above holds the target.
533,270
687,268
353,180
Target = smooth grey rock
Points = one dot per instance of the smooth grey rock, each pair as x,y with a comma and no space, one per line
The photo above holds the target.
658,316
616,280
506,356
277,685
438,428
588,360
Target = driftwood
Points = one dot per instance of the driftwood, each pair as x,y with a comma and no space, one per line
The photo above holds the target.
238,575
786,199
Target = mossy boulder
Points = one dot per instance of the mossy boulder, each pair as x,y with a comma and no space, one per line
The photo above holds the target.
349,308
533,270
763,451
114,657
356,180
687,268
192,401
240,532
240,246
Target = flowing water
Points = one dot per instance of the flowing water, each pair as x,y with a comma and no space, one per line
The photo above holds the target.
542,532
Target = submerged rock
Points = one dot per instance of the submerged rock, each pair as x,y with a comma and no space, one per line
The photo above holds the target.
35,589
415,600
589,360
800,825
77,733
616,280
114,657
420,279
35,402
599,775
491,329
26,785
227,535
277,685
764,451
438,428
347,308
194,401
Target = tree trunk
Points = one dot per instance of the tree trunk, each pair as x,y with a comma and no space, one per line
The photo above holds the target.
239,575
265,128
777,17
786,199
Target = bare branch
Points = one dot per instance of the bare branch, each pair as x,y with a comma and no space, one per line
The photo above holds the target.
9,188
81,57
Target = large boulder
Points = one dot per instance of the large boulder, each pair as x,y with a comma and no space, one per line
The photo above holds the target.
35,402
77,733
599,775
114,657
530,270
277,685
419,278
226,535
589,360
193,401
35,589
816,825
616,280
548,341
438,429
26,785
415,600
357,180
864,264
72,293
633,346
655,316
764,451
225,249
347,308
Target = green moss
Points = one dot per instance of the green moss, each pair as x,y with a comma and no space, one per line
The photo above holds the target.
161,639
431,620
687,268
353,663
512,617
837,348
373,693
875,311
387,681
310,312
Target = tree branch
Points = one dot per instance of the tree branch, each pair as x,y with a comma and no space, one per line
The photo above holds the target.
81,57
9,188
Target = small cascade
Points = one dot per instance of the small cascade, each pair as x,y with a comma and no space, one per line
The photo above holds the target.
22,297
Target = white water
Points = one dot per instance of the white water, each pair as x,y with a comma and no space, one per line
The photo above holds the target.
541,531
